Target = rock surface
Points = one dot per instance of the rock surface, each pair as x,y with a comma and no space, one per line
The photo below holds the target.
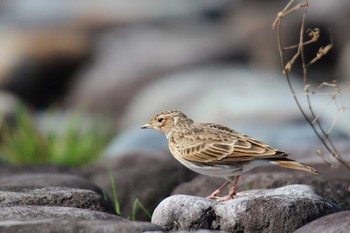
26,64
199,231
114,77
66,225
331,183
337,222
54,196
7,169
28,212
283,209
32,203
47,180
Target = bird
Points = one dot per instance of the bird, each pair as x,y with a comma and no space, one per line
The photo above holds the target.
215,150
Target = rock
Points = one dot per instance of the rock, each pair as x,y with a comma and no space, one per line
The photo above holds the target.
330,184
257,42
283,209
45,212
199,231
337,222
7,169
66,225
54,196
36,73
108,85
47,180
149,176
79,15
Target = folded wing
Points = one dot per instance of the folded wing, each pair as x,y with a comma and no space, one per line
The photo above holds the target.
220,145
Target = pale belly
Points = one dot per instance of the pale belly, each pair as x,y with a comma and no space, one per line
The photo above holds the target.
224,171
216,171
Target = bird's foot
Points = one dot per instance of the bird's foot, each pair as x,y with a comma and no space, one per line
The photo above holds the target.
214,196
222,199
228,197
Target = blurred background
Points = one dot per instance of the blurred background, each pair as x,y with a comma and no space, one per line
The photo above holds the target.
93,72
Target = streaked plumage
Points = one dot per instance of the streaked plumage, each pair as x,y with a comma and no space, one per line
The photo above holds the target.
215,150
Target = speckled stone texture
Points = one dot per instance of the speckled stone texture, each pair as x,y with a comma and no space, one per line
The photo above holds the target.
337,222
283,209
69,225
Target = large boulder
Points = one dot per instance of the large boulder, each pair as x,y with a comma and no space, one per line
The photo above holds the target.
8,169
54,196
46,212
283,209
68,225
337,222
47,180
331,183
38,64
125,63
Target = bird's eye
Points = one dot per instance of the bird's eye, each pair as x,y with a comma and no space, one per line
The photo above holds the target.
160,120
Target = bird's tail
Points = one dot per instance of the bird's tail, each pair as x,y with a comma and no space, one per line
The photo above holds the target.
289,163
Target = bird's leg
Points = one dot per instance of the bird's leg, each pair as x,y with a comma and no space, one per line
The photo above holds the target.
233,188
216,192
232,192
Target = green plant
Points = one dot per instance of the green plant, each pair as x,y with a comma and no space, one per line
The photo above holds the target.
114,191
137,203
24,143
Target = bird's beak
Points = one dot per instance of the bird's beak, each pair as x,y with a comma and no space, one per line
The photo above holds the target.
147,126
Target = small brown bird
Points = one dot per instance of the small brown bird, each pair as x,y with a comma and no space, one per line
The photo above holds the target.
215,150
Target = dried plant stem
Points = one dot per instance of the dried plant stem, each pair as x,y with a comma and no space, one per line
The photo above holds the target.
313,121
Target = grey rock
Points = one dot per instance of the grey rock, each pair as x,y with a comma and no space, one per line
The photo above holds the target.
66,13
337,222
54,196
66,225
112,81
283,209
26,66
330,184
199,231
27,212
47,180
148,175
8,169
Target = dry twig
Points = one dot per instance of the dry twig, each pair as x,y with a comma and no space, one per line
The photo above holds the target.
314,35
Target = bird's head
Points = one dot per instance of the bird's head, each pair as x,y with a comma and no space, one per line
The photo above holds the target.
167,120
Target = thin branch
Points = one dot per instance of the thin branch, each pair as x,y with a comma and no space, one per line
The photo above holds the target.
323,51
314,36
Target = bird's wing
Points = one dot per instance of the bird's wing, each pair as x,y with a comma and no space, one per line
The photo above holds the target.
220,145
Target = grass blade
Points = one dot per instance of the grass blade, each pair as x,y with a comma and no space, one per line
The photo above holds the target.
114,191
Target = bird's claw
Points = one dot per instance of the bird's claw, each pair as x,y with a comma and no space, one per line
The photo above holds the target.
222,199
